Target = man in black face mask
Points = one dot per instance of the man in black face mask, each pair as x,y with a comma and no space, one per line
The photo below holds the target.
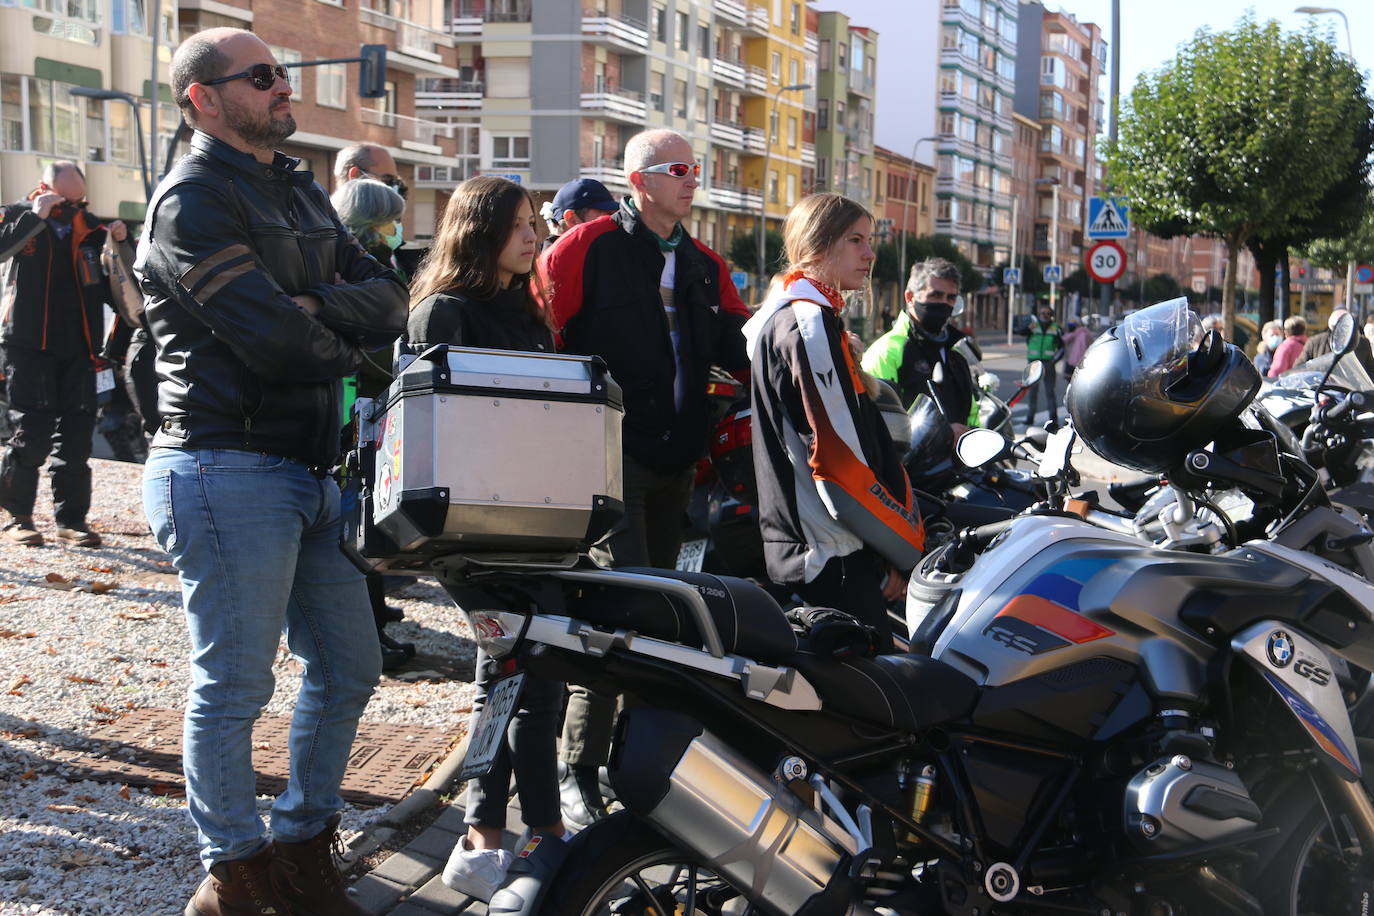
922,339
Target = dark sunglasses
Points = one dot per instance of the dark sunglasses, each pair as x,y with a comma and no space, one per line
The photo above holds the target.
262,76
394,182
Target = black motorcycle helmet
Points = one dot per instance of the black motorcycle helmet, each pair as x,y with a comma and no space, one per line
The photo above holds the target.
1153,388
930,460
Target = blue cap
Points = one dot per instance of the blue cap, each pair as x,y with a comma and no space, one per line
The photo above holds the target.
581,193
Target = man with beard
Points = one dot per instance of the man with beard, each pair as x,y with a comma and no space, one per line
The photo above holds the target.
54,321
259,302
922,339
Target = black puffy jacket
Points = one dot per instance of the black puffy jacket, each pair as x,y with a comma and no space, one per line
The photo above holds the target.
229,241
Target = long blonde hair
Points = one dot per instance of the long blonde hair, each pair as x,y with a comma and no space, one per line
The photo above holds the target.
814,225
475,226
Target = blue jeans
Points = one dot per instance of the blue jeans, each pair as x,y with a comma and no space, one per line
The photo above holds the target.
255,540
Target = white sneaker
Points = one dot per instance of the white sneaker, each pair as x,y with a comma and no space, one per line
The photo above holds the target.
476,872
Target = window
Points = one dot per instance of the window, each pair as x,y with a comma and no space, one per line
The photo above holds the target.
791,190
656,101
510,152
11,112
703,105
291,56
776,68
67,116
856,55
703,39
680,98
658,24
793,72
823,56
822,171
949,37
384,106
122,142
796,19
772,187
330,80
508,77
95,130
823,116
792,133
40,114
684,35
773,128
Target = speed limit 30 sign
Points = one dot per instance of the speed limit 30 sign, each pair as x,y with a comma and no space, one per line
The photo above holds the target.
1106,261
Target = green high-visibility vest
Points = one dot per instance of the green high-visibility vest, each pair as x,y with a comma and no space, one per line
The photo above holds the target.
1041,343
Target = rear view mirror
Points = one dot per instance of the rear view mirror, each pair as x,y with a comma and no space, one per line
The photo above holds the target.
978,447
1033,373
1343,334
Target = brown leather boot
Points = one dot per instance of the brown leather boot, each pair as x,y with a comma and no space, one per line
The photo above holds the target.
242,887
309,878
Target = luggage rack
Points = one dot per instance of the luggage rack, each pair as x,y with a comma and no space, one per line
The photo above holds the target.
778,685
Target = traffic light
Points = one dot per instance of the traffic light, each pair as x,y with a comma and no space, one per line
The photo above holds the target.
372,72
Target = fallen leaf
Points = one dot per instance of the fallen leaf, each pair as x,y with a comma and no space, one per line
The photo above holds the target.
124,792
99,708
87,799
81,679
54,577
29,774
99,569
54,792
50,651
416,701
137,615
15,634
158,663
100,588
30,732
162,788
18,682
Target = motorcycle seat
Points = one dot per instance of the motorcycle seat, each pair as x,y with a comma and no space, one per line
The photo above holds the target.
907,692
749,621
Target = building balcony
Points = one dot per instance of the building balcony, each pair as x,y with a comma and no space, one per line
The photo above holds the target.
758,19
610,172
444,176
449,94
468,16
416,48
735,12
964,188
621,104
730,71
756,81
411,133
615,30
728,133
860,83
755,144
734,197
808,155
811,43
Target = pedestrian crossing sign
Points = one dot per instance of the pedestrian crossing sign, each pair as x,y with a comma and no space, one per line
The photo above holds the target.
1108,218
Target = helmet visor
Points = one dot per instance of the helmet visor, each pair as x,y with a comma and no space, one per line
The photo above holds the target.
1159,339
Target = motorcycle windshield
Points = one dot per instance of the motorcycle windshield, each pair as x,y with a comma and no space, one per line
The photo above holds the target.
1161,337
1349,373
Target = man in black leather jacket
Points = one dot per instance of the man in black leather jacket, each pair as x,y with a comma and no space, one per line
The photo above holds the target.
259,302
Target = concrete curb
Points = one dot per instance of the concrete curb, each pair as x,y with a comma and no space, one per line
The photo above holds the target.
442,779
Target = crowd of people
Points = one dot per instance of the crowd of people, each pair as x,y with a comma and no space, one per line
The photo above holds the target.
259,349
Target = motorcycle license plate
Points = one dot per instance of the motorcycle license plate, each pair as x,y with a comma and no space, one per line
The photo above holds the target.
691,556
489,734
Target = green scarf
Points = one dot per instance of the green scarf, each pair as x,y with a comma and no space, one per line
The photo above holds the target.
664,245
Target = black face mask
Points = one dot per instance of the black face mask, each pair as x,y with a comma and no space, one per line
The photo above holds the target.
65,212
932,315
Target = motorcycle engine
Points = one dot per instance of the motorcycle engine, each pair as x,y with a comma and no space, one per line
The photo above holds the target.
1177,802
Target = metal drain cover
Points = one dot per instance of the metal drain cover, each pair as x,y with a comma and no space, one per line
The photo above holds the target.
144,748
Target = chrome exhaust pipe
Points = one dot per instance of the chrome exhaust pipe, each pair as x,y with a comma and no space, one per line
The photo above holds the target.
705,796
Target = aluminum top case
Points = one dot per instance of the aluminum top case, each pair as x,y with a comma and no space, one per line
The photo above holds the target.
490,452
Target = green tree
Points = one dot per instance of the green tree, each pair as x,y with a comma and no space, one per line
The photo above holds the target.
919,249
744,252
1161,288
1241,136
1356,245
1078,282
1032,280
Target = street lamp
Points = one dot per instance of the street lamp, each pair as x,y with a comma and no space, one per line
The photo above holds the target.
1349,49
763,194
115,95
1054,236
901,249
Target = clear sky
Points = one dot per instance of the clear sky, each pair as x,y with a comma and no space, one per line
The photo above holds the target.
1151,32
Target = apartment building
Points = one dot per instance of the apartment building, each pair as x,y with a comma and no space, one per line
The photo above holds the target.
847,64
903,195
976,81
50,47
549,92
1060,87
1025,168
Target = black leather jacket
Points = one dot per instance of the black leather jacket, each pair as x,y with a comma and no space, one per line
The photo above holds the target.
228,242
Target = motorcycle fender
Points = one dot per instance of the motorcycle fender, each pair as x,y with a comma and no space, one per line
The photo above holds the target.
1300,672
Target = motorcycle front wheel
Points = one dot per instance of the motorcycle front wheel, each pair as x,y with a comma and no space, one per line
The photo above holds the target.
1316,869
621,866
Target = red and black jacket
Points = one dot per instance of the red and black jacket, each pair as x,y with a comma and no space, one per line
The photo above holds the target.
601,282
29,315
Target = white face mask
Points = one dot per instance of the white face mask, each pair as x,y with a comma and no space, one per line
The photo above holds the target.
1273,341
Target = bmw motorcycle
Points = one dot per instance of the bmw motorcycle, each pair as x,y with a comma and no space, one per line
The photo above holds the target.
1086,724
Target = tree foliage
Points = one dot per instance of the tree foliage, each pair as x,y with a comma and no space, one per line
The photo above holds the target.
1032,280
1356,245
1161,288
1243,134
919,248
744,252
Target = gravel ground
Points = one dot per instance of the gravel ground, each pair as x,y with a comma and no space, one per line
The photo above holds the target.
87,634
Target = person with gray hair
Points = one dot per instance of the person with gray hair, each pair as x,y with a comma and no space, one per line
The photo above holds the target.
921,339
372,212
658,306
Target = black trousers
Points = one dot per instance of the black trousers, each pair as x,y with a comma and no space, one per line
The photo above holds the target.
853,584
51,410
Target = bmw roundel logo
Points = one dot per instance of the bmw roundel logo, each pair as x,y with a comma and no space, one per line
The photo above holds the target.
1280,648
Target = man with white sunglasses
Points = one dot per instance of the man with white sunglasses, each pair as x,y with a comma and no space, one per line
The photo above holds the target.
658,306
